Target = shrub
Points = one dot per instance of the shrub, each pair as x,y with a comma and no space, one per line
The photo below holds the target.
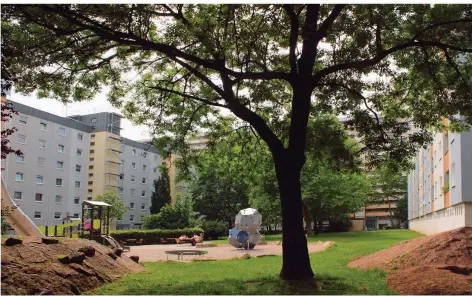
214,229
169,217
153,236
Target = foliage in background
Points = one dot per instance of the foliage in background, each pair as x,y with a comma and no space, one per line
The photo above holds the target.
161,194
117,208
401,211
214,229
170,216
153,236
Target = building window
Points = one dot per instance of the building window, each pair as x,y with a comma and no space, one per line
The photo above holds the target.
92,151
90,167
133,178
89,198
92,136
76,215
20,158
77,184
37,215
133,192
155,169
80,136
120,190
17,195
39,180
93,120
133,165
133,152
76,200
143,207
42,144
91,175
60,165
131,217
23,120
122,163
41,161
38,197
144,154
453,175
122,176
143,193
144,167
131,205
62,131
90,190
57,215
60,148
92,143
78,168
43,126
91,159
144,181
79,152
90,182
58,182
21,139
19,177
58,199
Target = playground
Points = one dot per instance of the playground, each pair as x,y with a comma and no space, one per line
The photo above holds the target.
151,253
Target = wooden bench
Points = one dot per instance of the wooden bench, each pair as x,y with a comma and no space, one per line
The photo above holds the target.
180,253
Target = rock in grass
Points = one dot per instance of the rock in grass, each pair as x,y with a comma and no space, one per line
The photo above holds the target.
134,258
118,252
11,241
49,241
73,258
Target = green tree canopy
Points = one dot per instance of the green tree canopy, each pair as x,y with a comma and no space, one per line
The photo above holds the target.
161,194
117,208
175,67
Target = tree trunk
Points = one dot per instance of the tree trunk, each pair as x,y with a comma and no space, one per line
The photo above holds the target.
308,221
296,261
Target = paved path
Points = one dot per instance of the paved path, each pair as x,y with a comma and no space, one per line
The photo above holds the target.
149,253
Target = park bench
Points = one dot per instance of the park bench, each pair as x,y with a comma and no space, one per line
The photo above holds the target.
180,253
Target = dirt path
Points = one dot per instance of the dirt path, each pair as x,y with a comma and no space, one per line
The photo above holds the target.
151,253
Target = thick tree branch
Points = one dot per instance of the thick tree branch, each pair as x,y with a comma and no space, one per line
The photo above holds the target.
328,22
294,27
184,95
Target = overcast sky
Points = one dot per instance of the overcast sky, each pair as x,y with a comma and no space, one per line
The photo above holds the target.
98,104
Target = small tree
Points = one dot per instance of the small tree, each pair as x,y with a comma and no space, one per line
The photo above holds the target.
161,194
117,208
176,216
401,211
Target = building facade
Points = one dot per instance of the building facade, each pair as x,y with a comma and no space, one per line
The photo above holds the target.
440,186
68,160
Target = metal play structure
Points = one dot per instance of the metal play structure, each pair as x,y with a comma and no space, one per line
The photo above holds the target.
246,232
95,210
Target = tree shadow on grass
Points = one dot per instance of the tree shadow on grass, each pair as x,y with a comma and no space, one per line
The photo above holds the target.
257,286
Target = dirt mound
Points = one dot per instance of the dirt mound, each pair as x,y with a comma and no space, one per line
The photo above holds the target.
34,267
437,264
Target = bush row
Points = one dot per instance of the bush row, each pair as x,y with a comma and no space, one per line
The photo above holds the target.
153,236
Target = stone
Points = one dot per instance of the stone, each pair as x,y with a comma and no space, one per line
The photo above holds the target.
11,241
205,245
88,251
112,255
73,258
134,258
118,252
49,241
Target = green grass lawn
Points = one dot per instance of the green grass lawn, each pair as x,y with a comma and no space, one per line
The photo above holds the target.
260,275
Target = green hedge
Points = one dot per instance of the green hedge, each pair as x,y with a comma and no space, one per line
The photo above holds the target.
153,236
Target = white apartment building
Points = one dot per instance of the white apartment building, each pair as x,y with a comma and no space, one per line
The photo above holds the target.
68,160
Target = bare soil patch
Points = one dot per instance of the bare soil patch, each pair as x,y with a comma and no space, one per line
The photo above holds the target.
34,267
436,264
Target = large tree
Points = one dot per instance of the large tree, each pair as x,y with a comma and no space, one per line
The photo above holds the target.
161,194
177,66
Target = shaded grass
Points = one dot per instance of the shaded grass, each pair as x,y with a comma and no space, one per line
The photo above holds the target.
260,275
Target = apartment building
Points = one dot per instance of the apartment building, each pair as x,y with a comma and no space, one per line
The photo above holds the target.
68,160
375,215
440,186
